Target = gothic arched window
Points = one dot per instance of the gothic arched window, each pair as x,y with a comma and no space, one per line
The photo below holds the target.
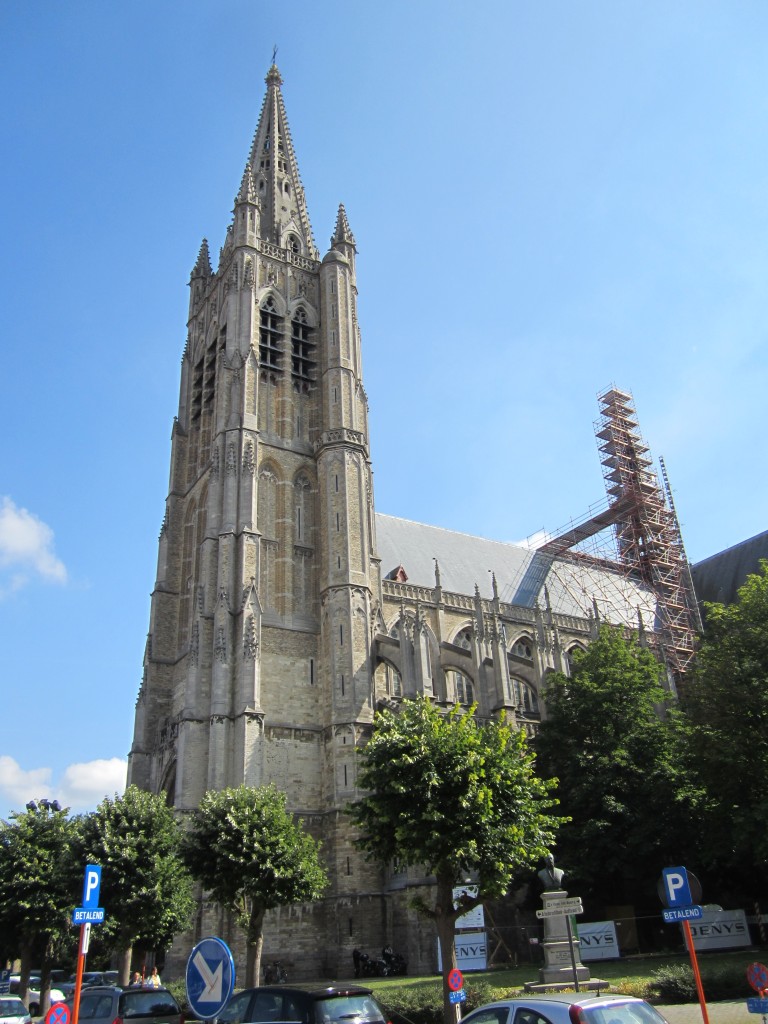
464,638
303,360
524,697
270,336
461,688
523,648
569,662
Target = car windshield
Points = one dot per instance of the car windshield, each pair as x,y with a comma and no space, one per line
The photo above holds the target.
12,1008
147,1003
621,1013
361,1007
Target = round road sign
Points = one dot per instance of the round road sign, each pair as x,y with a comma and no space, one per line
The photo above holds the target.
59,1013
455,980
210,978
757,976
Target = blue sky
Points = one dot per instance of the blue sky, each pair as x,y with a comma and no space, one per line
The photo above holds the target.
548,198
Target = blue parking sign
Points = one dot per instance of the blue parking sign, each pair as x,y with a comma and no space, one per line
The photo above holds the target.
677,890
91,886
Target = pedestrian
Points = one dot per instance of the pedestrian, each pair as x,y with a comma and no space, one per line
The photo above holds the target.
136,981
154,979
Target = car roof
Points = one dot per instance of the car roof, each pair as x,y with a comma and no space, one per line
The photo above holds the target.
570,998
327,992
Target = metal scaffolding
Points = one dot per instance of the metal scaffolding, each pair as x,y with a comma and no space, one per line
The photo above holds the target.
647,533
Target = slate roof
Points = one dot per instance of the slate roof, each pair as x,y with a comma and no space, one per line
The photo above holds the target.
718,577
465,561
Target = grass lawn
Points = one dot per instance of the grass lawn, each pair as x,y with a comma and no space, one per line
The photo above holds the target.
631,974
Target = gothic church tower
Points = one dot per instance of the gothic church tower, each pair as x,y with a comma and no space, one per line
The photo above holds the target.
258,664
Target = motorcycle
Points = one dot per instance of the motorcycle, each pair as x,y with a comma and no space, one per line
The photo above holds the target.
275,974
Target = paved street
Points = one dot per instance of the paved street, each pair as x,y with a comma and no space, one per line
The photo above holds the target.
734,1011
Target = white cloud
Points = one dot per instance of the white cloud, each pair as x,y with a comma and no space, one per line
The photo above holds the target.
81,786
86,784
26,549
19,786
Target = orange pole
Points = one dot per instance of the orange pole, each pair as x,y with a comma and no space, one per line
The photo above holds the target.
79,975
694,965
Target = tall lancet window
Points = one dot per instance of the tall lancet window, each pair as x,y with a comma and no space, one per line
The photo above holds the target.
270,337
303,511
303,357
267,524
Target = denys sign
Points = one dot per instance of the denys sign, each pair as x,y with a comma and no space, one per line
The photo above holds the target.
471,952
598,941
720,929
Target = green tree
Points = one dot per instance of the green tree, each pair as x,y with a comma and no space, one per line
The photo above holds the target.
609,740
146,890
457,796
39,879
252,856
726,717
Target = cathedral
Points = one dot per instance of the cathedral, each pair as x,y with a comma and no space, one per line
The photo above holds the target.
286,610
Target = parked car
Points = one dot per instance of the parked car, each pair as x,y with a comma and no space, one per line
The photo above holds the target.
566,1008
90,978
13,1011
33,993
307,1006
104,1004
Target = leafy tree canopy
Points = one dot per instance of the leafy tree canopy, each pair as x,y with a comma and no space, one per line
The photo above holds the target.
146,890
608,739
455,795
40,880
251,856
725,712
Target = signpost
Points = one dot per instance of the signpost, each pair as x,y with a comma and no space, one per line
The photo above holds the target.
566,908
89,913
456,986
210,978
561,908
757,976
59,1013
675,890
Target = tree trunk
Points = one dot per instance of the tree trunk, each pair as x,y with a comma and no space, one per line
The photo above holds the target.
26,964
45,982
124,966
255,945
445,919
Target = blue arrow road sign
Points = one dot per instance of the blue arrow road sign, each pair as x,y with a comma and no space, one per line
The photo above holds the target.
683,914
210,978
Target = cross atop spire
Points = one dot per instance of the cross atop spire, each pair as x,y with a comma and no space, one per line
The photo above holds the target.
275,176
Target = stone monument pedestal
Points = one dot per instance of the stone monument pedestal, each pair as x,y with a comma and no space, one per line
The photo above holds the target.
560,954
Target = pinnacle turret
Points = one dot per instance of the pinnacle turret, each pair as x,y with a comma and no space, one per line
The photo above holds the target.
247,192
342,233
202,267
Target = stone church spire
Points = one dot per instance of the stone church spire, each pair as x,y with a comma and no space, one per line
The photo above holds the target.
272,160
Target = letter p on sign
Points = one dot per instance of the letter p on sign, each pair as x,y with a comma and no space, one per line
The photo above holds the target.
91,886
676,887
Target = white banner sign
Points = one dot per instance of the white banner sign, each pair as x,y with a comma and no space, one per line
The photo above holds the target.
475,918
720,929
471,952
598,941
